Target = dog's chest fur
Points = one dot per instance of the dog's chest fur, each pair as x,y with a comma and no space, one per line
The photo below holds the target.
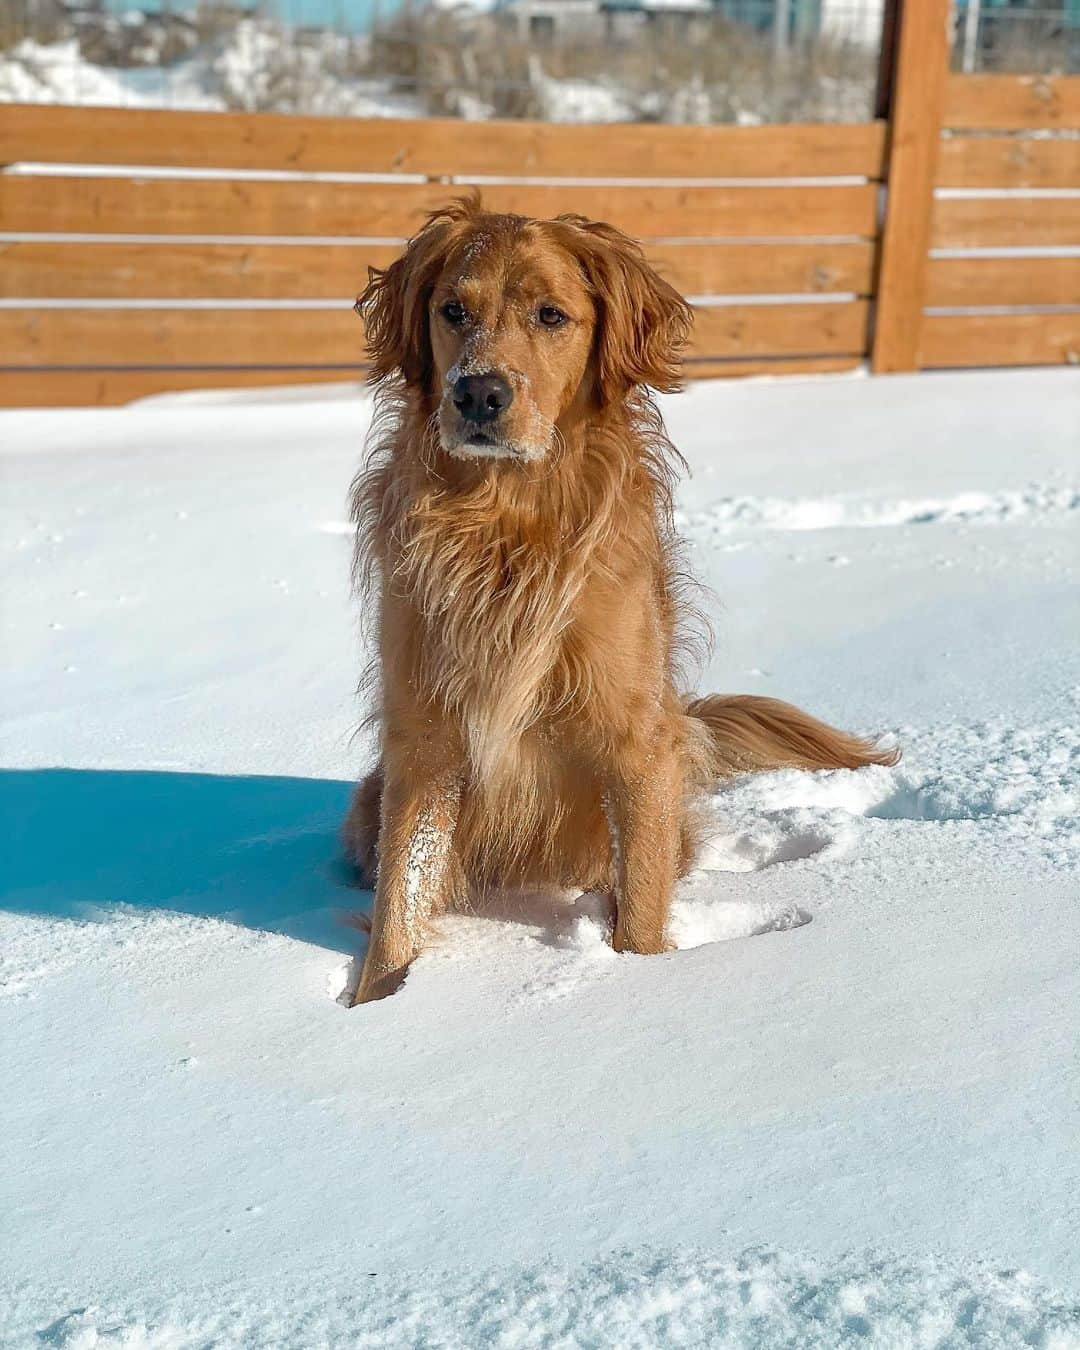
499,591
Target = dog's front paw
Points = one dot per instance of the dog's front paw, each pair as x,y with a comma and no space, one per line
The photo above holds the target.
641,941
378,982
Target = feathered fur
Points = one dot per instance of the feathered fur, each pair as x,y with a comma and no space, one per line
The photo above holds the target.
531,610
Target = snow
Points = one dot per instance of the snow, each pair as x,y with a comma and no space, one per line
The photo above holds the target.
628,1300
259,64
56,72
846,1110
572,100
256,65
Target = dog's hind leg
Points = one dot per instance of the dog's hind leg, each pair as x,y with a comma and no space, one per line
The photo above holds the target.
419,815
360,831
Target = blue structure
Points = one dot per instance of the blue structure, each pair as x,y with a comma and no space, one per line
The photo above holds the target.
345,16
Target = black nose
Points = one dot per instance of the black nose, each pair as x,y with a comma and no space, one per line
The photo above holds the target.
481,398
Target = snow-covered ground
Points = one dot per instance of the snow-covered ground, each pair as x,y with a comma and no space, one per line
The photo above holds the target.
847,1110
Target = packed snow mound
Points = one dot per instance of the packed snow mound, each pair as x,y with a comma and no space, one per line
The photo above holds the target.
731,515
55,72
633,1300
254,66
985,782
734,513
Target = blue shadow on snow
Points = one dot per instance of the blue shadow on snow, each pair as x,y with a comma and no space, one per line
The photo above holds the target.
261,852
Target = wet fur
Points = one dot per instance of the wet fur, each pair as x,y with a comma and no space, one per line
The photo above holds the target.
531,618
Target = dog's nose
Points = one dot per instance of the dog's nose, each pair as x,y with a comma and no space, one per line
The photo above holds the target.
481,398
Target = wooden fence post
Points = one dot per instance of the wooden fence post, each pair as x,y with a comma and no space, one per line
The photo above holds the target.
915,113
886,71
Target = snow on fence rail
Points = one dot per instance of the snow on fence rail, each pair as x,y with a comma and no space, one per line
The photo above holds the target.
225,248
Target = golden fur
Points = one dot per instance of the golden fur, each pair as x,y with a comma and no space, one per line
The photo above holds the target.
531,610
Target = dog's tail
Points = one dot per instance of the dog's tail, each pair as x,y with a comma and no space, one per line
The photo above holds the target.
749,734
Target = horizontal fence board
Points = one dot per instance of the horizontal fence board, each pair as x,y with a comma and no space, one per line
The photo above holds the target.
787,365
1005,102
988,222
180,337
102,388
90,388
766,269
87,204
44,269
781,330
171,271
1003,281
950,340
188,337
272,141
1009,162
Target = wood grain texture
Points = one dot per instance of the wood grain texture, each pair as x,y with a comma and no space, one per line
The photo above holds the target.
919,94
44,269
180,337
103,388
1003,281
1009,162
100,205
951,340
1012,102
786,365
988,222
90,388
170,270
433,147
793,268
247,337
781,330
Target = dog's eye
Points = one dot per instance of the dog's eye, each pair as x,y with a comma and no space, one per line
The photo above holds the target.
551,317
454,313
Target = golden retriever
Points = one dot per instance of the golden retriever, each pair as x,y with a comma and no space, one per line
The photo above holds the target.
515,532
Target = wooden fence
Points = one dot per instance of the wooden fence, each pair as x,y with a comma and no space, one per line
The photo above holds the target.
225,249
980,260
248,241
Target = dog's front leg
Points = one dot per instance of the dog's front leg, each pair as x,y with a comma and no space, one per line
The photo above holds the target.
415,838
644,809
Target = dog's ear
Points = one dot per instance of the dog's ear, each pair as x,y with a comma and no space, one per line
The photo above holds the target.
394,304
643,323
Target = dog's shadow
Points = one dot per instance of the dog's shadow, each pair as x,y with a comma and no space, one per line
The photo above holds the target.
258,851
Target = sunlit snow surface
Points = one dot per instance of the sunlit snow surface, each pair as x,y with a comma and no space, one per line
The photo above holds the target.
846,1110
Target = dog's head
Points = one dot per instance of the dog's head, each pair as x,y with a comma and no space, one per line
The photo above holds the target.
506,327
